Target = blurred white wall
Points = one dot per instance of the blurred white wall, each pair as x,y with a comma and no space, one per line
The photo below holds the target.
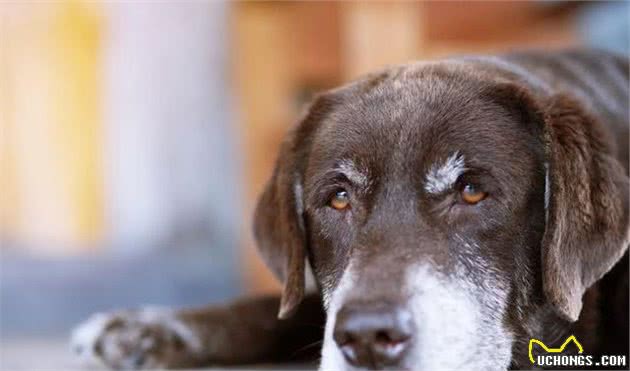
170,161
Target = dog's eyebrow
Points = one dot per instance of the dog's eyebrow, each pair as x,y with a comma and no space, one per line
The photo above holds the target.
442,177
352,172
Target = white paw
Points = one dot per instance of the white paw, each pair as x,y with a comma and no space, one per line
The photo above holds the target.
148,338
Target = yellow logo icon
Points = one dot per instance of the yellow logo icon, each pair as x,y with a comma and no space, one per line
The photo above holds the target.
554,350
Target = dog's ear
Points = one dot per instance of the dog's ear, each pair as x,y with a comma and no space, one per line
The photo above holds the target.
586,194
587,205
278,220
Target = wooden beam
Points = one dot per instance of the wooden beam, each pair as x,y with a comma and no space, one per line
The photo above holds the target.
376,34
264,75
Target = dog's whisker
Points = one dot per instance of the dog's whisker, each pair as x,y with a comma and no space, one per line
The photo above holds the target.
306,347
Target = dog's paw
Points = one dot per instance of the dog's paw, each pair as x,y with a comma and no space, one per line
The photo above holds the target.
144,339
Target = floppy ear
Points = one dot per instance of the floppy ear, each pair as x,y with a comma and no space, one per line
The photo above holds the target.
278,220
587,212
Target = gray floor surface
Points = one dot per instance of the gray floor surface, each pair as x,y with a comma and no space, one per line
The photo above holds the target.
38,354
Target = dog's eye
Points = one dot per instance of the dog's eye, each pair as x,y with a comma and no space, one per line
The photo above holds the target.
340,200
471,194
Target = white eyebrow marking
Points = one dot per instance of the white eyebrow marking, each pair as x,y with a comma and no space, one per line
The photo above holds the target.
350,170
441,178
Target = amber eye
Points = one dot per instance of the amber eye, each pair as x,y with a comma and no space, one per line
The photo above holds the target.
340,200
471,195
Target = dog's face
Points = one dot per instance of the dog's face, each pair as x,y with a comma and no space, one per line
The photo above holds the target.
422,199
423,208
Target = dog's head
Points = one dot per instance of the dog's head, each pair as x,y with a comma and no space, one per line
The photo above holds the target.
443,212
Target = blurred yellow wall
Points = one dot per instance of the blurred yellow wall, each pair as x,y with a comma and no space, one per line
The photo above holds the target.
51,171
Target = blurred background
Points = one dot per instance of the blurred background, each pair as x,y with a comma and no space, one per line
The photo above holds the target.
135,136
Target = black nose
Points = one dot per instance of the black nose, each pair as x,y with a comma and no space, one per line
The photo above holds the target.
373,335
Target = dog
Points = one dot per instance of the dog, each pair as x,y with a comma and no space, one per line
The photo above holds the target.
449,211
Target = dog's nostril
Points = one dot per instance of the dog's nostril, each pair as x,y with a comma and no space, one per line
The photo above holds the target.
345,339
392,335
384,337
373,335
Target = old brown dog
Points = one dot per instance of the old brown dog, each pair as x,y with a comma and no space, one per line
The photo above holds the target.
450,211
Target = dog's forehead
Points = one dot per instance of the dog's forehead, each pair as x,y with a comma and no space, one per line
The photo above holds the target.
415,120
